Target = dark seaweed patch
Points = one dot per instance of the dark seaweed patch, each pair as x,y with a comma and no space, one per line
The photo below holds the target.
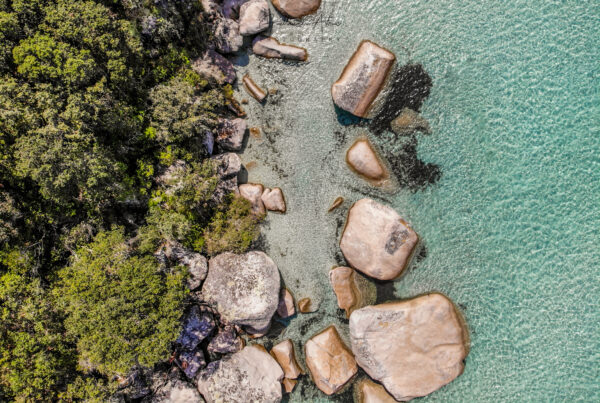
410,171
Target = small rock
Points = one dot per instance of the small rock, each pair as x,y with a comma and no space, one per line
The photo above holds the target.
230,134
377,241
243,288
289,384
167,390
253,89
412,347
227,36
250,375
336,203
253,193
286,307
211,6
231,8
191,362
273,200
363,160
271,48
362,80
352,290
226,341
209,142
255,16
215,67
329,361
305,305
228,166
371,392
286,357
196,263
409,121
198,324
296,8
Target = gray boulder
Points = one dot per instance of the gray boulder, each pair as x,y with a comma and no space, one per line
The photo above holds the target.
196,263
231,8
409,121
197,325
228,167
244,289
250,375
191,362
255,17
215,67
227,36
230,134
226,341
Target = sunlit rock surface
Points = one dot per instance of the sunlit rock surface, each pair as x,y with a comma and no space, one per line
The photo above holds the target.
296,8
271,48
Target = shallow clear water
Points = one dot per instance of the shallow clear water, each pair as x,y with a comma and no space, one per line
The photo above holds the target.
512,226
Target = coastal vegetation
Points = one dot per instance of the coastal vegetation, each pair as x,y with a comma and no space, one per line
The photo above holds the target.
98,100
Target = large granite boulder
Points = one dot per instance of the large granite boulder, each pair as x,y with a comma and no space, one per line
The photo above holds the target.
231,133
253,193
227,36
362,80
329,361
351,289
273,200
255,17
243,288
250,375
363,159
296,8
409,121
271,48
377,241
412,347
215,67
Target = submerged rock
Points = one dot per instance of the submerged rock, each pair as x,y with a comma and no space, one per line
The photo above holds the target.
409,121
273,200
286,357
253,193
362,159
250,375
231,133
296,8
253,89
255,17
215,67
271,48
286,307
306,305
371,392
377,241
362,80
227,36
412,347
243,288
352,290
329,361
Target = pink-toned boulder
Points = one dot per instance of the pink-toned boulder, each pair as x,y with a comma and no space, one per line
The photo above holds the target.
412,347
351,289
253,89
371,392
363,159
255,17
286,357
377,241
296,8
329,361
271,48
363,79
273,200
253,193
286,307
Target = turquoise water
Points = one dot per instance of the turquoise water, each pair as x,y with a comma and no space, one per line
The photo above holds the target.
511,228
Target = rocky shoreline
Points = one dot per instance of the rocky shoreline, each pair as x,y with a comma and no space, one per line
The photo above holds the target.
408,348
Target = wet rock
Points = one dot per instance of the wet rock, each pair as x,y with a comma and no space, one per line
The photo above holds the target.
227,36
253,89
197,325
273,200
371,392
296,8
408,122
230,134
286,307
336,203
172,390
362,80
191,362
228,166
253,193
352,290
286,357
362,159
243,288
250,375
289,385
271,48
329,361
231,8
306,305
255,17
196,263
377,241
214,67
226,341
412,347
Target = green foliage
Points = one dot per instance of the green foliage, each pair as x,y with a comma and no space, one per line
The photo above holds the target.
232,229
89,390
120,307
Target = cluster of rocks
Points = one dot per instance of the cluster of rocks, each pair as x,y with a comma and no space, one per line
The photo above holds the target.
263,199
